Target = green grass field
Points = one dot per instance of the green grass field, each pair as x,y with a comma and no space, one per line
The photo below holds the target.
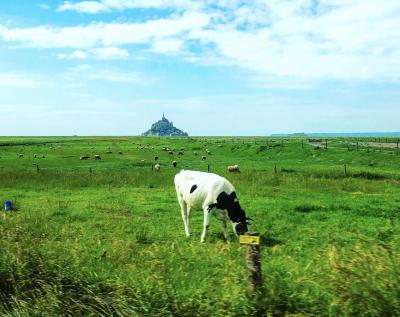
110,242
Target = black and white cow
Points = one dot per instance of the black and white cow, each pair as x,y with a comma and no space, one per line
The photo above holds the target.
212,194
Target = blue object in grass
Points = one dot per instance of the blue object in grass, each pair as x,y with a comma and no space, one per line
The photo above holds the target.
8,205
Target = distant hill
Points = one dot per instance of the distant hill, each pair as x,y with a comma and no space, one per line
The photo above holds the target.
355,134
164,127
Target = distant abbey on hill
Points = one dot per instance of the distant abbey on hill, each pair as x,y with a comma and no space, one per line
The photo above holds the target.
164,127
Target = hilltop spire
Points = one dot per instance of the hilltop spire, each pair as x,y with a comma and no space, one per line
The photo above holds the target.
164,127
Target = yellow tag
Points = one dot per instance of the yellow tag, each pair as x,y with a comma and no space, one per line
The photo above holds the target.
254,240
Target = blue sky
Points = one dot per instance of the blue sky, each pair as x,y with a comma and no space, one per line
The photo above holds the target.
215,67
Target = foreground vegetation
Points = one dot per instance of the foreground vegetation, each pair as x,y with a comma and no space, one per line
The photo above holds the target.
105,238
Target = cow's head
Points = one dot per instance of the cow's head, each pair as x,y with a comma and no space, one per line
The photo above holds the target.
236,214
241,224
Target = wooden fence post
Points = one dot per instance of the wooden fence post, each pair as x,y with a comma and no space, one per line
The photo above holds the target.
326,144
37,168
90,170
208,168
345,170
275,170
357,146
254,276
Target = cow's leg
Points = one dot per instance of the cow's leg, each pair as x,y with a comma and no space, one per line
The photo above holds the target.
225,227
222,216
206,224
185,215
186,221
234,229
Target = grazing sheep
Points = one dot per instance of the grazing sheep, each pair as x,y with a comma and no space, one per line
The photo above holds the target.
195,153
120,152
157,167
212,194
155,158
109,152
170,152
43,156
174,163
180,153
203,158
220,145
84,157
97,157
234,169
142,161
21,156
34,155
208,152
182,149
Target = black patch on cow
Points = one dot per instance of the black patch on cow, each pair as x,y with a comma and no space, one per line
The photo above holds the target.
194,187
240,228
231,204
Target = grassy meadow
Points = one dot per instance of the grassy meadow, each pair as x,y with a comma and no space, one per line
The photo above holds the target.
105,237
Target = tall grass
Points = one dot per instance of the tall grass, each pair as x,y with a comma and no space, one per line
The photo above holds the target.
111,242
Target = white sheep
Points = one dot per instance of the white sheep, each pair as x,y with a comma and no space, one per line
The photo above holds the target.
234,168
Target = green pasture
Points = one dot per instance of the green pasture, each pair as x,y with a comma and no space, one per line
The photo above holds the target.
105,237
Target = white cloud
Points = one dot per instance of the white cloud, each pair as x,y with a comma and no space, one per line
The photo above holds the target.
82,73
78,54
97,53
21,80
104,34
168,46
295,39
344,40
110,53
116,76
92,7
44,6
83,7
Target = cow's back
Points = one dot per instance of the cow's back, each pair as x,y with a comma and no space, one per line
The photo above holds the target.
194,187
